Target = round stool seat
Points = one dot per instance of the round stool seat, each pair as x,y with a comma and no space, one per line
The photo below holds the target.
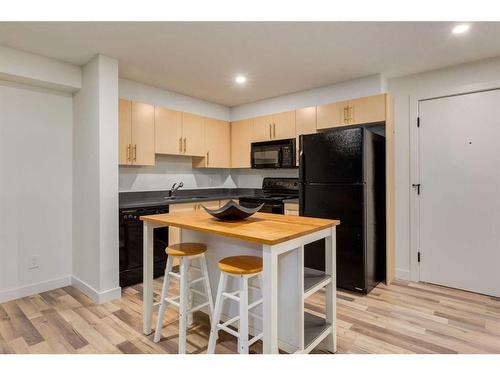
186,249
241,265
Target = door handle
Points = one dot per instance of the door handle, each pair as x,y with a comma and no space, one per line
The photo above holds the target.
346,115
274,130
270,132
208,157
180,144
184,145
416,186
128,152
351,113
135,152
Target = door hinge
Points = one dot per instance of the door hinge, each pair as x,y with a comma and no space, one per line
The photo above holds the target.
418,122
416,186
418,257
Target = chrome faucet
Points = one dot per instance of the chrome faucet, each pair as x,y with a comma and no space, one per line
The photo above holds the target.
176,186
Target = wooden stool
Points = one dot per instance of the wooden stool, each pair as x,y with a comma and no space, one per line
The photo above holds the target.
244,268
186,252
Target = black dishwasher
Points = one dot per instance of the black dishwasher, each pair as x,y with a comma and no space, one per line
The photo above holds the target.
131,236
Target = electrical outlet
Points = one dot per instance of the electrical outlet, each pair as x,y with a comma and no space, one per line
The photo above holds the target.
34,262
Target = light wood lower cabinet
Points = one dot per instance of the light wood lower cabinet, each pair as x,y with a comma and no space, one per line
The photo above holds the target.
241,139
168,131
217,145
136,133
174,234
292,209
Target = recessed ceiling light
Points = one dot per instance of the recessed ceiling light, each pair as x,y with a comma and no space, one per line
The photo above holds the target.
240,80
460,29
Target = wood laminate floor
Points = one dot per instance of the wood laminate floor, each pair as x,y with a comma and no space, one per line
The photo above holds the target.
404,317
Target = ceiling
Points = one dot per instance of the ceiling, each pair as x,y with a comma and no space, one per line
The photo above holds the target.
201,59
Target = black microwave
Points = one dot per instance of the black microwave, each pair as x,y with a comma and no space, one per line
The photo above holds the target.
274,154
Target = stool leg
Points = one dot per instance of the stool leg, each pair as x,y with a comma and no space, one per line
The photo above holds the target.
183,306
208,290
217,313
243,326
189,292
164,294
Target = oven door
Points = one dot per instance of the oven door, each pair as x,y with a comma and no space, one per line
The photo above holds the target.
266,156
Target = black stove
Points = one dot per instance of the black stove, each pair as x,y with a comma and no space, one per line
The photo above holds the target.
274,192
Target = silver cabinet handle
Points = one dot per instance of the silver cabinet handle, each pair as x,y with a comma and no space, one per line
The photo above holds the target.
184,145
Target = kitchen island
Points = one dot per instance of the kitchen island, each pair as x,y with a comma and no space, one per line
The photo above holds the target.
280,240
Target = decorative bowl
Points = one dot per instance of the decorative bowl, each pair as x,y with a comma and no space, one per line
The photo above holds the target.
232,211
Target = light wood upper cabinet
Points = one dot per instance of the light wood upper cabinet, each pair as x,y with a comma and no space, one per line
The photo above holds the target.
305,120
359,111
332,115
193,135
136,133
168,131
143,133
276,126
368,109
284,125
217,145
124,132
241,139
262,128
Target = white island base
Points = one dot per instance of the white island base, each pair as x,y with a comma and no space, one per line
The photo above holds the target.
286,284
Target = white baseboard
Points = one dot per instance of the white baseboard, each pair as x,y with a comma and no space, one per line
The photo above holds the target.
28,290
402,274
96,296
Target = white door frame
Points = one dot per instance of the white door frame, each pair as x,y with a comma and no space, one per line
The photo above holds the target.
415,99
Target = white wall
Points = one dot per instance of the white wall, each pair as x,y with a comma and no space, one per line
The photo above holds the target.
95,181
152,95
170,169
35,70
35,190
401,89
371,85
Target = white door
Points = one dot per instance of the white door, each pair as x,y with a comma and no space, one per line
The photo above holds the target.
459,162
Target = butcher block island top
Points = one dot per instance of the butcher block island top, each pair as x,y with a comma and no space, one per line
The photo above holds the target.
263,228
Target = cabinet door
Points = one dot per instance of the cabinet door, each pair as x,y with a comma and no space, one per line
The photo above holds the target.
217,143
168,131
332,115
193,135
241,139
143,134
124,132
284,125
262,128
305,120
174,233
368,109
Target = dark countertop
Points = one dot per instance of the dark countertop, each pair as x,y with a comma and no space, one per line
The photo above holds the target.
139,199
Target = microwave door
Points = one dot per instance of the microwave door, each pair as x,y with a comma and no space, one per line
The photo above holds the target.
266,157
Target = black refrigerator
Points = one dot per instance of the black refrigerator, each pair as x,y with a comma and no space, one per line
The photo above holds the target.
342,176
